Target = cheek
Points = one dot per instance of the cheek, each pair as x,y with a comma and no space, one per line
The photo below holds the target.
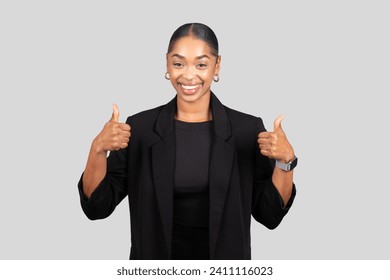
207,77
174,83
173,75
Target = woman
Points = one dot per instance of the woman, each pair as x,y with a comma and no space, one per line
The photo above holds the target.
194,170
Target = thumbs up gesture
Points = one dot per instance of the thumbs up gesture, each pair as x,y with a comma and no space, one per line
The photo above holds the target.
114,136
275,144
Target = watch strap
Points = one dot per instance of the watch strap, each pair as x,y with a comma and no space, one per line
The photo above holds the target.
287,166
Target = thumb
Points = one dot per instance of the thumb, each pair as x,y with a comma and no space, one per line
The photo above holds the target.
115,113
278,123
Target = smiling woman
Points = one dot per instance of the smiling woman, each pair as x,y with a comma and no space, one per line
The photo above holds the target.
194,170
192,64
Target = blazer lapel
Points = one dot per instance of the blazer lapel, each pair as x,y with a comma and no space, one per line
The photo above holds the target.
163,166
222,155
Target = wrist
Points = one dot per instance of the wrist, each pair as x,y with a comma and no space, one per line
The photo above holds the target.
97,148
289,157
289,166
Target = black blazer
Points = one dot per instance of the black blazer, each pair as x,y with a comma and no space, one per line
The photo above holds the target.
240,183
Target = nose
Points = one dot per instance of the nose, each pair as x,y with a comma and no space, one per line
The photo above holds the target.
188,73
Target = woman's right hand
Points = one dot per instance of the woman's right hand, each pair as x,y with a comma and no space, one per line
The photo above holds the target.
114,135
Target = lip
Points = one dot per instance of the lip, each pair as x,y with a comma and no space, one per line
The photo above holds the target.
190,88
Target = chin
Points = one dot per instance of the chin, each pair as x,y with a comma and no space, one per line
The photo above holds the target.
192,97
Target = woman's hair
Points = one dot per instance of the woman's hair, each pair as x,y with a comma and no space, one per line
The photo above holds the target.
197,30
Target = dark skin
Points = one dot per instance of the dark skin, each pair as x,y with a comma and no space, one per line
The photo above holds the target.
191,65
276,146
114,136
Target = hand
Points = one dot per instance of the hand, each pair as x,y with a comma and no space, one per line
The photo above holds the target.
275,144
114,135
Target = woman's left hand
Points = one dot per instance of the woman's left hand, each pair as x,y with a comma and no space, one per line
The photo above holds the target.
275,144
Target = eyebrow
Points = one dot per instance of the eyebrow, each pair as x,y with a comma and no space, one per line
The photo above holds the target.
198,57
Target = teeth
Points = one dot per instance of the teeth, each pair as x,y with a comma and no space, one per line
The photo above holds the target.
189,87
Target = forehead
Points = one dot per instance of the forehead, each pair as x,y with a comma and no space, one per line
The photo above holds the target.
190,47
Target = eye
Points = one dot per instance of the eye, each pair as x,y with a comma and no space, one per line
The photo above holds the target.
178,64
202,65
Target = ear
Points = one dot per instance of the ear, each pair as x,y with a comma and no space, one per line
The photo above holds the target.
218,64
166,57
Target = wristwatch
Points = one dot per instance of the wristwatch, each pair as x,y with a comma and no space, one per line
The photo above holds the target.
289,165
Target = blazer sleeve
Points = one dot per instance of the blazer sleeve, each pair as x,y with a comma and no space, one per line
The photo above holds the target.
110,191
267,204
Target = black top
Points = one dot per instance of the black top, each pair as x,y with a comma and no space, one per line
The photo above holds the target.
191,191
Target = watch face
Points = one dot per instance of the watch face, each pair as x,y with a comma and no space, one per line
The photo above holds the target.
293,164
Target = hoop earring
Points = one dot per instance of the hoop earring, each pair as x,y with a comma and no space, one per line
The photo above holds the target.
216,78
167,76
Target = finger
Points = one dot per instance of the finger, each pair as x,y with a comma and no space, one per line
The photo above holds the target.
261,147
265,153
119,143
124,145
265,145
278,122
123,142
124,126
265,141
269,138
264,134
268,153
115,113
126,134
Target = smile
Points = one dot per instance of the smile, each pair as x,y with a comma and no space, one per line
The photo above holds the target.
189,87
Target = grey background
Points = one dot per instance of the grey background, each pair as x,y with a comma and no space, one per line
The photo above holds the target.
324,64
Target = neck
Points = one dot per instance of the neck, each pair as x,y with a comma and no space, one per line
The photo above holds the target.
198,111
